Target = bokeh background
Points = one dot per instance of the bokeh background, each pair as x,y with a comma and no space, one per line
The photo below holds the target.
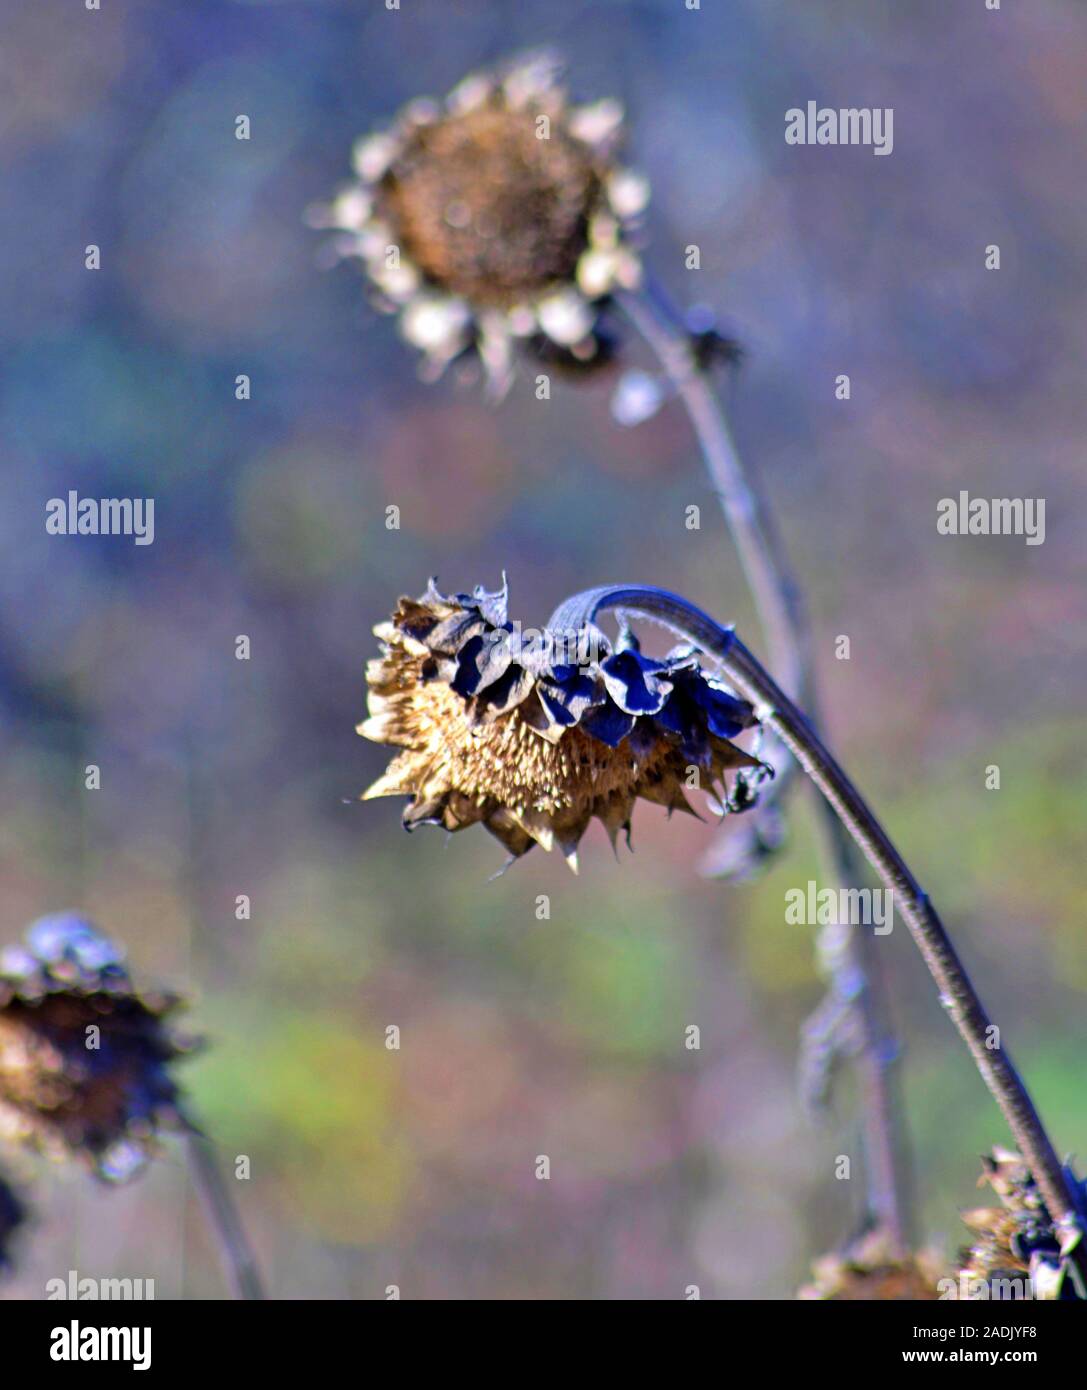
523,1037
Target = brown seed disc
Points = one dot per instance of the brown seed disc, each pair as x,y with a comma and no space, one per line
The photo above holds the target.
489,211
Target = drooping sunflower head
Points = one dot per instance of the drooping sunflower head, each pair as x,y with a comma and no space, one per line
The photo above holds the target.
84,1060
497,216
533,733
1015,1244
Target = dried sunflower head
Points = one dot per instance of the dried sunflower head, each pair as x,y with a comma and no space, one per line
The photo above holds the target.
498,215
1016,1250
84,1060
870,1271
532,733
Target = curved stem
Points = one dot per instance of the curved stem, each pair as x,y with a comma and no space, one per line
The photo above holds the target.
855,996
222,1217
957,992
772,706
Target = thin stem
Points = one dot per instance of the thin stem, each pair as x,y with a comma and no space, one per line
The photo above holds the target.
222,1217
746,674
773,587
848,958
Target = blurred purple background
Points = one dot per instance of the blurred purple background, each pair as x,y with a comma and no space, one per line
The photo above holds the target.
220,777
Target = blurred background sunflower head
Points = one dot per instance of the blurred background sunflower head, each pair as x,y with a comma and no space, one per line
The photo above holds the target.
870,1270
85,1061
495,217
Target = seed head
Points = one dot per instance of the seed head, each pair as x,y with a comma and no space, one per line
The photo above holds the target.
84,1060
532,734
869,1271
497,216
1015,1241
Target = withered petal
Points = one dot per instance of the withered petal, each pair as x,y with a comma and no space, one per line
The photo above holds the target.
448,636
502,695
635,682
608,723
569,698
482,661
